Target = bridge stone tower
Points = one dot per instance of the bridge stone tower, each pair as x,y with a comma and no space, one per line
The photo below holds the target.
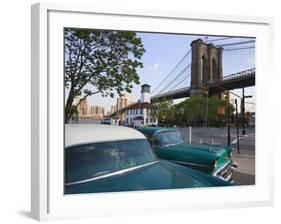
206,65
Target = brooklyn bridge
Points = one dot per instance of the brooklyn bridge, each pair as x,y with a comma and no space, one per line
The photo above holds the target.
201,69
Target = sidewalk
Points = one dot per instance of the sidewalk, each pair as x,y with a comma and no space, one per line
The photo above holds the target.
245,173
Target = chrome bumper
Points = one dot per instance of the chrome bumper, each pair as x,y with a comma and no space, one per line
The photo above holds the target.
226,172
234,165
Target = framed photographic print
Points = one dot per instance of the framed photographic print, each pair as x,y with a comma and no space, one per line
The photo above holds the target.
148,111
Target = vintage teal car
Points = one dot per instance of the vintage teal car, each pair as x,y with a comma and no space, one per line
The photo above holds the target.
169,144
108,158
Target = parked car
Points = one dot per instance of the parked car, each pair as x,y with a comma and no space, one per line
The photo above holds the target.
169,144
107,121
101,158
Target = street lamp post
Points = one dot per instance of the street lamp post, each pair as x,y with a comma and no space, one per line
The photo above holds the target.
237,127
206,92
228,125
243,110
226,98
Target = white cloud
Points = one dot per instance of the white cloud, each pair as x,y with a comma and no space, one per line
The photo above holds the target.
155,66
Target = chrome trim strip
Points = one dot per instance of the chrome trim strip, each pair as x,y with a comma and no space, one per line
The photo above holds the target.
110,174
192,164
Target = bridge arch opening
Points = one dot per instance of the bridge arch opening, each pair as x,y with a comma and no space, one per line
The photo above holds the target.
214,69
204,64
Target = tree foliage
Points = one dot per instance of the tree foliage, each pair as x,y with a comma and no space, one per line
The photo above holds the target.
192,111
163,111
99,61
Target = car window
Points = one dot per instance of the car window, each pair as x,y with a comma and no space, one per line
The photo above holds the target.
92,160
168,138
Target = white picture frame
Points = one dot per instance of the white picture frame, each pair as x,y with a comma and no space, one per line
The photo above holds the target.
48,201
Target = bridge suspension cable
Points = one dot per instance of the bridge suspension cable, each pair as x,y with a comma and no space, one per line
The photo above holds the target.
180,82
171,72
219,39
173,80
240,48
237,43
243,50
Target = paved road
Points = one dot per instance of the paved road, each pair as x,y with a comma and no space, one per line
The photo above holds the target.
245,173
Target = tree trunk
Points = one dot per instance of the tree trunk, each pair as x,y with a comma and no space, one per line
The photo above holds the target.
68,112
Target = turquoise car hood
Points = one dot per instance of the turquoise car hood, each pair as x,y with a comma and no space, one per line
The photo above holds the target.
201,157
160,175
196,152
208,150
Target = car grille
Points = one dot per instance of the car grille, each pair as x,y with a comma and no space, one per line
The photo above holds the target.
225,173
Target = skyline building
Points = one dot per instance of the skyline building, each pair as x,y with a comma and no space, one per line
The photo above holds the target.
137,114
123,101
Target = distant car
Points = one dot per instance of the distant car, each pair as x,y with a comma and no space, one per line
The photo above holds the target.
169,144
106,121
101,158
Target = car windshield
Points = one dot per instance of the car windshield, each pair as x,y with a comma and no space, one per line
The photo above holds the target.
92,160
171,137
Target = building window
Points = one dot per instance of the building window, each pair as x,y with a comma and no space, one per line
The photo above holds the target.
141,110
146,120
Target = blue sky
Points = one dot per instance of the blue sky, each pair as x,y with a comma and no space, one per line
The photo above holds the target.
164,51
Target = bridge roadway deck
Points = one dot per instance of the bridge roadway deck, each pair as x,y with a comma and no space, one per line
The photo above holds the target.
228,83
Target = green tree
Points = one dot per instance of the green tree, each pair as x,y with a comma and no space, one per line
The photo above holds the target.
163,111
180,118
170,116
99,61
213,105
192,111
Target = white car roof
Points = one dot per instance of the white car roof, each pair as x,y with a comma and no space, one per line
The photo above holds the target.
88,133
